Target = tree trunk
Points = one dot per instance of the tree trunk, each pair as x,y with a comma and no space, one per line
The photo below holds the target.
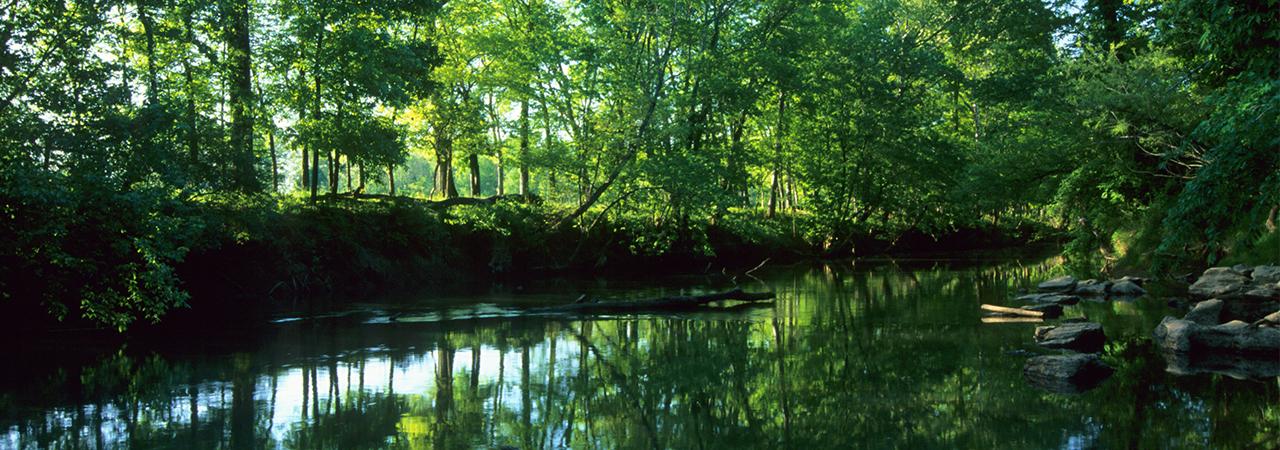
149,30
316,115
473,163
524,147
302,111
779,132
275,171
333,171
391,178
360,187
242,102
315,173
192,132
444,184
773,197
546,141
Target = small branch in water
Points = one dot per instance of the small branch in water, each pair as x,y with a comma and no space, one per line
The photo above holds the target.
757,267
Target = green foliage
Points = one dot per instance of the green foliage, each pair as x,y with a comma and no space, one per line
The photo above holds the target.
132,133
108,256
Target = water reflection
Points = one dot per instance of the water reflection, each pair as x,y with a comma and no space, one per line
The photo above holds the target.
866,355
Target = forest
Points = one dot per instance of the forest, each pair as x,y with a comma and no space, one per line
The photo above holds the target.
153,151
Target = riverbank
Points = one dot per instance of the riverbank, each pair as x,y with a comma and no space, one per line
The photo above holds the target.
229,260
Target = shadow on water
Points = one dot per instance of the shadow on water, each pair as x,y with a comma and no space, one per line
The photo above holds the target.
866,354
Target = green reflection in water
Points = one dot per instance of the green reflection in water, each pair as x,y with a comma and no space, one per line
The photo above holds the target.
875,354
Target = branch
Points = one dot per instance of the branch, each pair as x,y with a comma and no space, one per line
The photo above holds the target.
657,304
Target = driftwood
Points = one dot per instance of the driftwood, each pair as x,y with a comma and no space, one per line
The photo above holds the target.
1013,311
1012,320
657,304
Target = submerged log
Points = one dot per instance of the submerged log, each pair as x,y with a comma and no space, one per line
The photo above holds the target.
657,304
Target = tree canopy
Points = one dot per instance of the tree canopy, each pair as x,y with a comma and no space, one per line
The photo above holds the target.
1144,129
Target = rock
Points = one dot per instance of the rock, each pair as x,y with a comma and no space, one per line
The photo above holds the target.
1135,280
1266,274
1081,336
1177,302
1235,349
1208,312
1173,335
1061,299
1229,364
1248,309
1126,288
1066,374
1238,338
1266,291
1060,284
1092,288
1242,269
1219,282
1270,320
1234,325
1050,310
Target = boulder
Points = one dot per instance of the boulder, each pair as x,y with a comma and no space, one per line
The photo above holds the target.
1208,312
1060,284
1234,325
1177,302
1271,320
1066,374
1229,364
1050,310
1267,291
1266,274
1079,336
1242,269
1135,280
1237,338
1060,299
1248,308
1091,288
1219,282
1126,288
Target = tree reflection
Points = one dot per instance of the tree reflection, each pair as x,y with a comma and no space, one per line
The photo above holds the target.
849,356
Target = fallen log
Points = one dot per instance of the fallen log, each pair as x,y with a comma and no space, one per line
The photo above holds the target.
657,304
434,204
1012,320
1014,311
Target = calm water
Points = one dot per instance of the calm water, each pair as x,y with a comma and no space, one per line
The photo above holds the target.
865,355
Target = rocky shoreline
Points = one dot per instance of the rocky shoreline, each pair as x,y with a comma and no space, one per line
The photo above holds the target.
1233,330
